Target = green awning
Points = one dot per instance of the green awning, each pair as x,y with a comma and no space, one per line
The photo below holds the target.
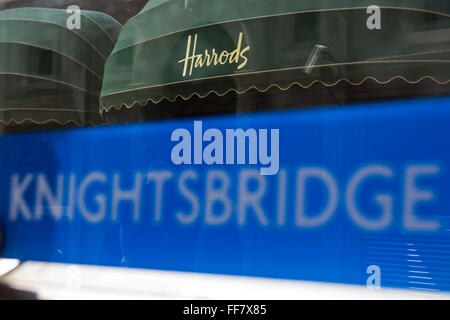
181,48
49,73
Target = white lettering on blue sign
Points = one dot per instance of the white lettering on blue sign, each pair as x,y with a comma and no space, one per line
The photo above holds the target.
212,199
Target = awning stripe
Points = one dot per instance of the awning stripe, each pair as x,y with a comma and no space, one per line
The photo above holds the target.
49,73
166,18
57,36
302,68
273,85
278,50
90,21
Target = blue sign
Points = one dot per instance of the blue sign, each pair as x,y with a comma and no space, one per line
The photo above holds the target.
357,194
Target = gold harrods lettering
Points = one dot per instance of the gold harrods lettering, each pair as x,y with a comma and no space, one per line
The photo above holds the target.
199,60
